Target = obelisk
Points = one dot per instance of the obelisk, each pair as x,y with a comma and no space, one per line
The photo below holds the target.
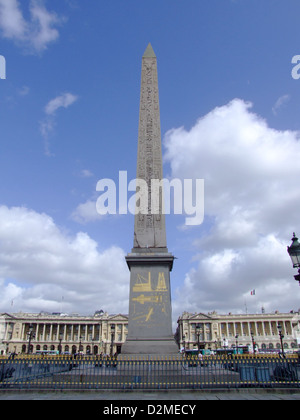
150,263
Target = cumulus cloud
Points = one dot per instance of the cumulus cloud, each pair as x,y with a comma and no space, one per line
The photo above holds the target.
41,266
34,34
251,209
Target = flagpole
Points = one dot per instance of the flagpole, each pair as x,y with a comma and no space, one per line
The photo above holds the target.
246,307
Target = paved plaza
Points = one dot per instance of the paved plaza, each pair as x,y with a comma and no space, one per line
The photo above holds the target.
259,395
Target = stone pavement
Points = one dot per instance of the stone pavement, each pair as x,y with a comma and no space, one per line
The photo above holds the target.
108,396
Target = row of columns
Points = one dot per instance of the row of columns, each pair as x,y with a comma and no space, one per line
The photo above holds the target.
233,328
46,332
260,328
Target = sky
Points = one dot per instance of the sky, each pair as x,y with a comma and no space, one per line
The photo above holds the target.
69,112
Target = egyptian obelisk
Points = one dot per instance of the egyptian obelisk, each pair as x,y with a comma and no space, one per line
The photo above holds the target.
150,263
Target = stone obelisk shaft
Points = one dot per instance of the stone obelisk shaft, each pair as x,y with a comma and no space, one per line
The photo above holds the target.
150,263
149,228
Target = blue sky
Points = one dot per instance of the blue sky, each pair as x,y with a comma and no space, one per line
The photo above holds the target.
69,117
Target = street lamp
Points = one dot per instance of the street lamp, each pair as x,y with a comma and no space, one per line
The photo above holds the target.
60,340
253,342
294,253
236,343
112,338
198,336
184,340
31,335
281,336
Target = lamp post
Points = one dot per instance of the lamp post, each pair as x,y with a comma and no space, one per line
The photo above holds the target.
112,338
184,341
80,350
60,340
294,253
198,336
253,342
236,343
281,336
31,335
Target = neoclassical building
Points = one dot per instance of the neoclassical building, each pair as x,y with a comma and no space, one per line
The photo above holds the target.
62,333
104,334
211,331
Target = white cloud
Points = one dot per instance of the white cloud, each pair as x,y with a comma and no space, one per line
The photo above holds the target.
86,212
61,101
86,173
251,209
34,34
43,23
280,103
48,123
12,22
40,264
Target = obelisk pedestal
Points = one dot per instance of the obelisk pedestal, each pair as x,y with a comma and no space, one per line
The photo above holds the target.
150,315
150,263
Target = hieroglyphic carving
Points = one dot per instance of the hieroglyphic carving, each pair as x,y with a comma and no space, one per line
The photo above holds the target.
149,297
150,312
149,228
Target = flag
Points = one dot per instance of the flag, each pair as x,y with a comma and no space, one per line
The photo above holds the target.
252,292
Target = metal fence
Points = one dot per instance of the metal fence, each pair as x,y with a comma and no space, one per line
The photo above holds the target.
92,373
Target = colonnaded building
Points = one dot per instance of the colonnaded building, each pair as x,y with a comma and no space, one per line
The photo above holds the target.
105,334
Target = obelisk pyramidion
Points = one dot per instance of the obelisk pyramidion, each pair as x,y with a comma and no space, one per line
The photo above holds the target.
150,263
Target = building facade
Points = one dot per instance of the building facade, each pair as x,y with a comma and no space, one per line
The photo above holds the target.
2,333
61,333
105,334
212,331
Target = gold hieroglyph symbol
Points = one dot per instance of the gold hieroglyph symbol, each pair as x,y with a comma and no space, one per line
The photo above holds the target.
143,299
146,316
161,286
144,284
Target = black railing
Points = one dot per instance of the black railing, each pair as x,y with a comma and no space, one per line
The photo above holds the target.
96,373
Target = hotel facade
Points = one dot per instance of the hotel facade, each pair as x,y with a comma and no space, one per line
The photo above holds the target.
62,333
105,334
212,331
